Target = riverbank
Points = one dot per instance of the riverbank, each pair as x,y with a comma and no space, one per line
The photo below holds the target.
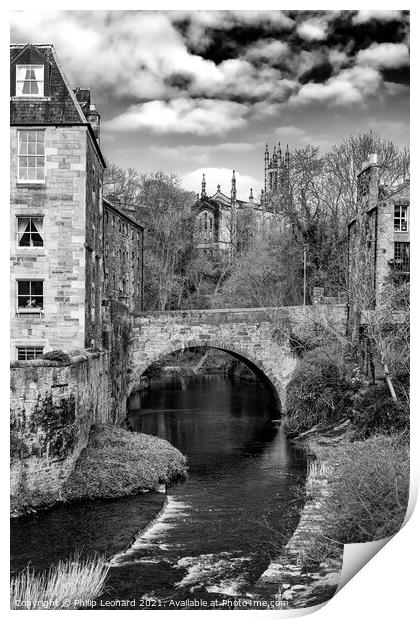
115,463
356,491
304,573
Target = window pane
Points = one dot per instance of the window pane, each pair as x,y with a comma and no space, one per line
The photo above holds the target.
32,148
40,136
23,287
31,136
24,302
31,174
40,174
37,287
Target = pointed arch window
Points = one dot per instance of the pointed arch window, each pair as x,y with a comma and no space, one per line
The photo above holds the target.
29,80
207,224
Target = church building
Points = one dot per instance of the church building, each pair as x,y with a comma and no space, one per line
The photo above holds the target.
225,223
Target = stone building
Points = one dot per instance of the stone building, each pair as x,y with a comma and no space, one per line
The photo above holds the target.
226,223
123,258
379,242
57,211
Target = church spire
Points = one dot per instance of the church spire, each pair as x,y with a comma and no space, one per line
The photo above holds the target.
233,190
203,187
251,195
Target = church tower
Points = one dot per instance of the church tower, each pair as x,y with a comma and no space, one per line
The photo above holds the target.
276,171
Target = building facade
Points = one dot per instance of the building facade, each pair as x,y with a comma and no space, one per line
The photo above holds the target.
57,211
123,258
379,238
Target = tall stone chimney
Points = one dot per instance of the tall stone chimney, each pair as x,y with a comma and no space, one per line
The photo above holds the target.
93,117
368,183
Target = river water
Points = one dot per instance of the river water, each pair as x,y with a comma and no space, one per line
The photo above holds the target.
213,535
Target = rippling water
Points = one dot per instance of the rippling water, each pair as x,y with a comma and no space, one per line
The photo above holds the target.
216,532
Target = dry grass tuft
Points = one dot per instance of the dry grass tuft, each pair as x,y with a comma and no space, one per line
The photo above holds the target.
65,586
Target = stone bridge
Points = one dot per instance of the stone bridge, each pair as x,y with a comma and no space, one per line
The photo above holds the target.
259,337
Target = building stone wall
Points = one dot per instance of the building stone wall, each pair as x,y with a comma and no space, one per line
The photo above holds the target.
387,236
123,258
259,337
94,246
53,406
61,262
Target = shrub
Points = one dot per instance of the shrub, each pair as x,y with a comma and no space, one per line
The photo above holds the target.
317,393
374,411
56,356
369,490
61,586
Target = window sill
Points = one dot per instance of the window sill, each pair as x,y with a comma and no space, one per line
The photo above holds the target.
31,184
29,311
29,98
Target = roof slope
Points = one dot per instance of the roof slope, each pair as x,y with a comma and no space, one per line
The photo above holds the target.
58,106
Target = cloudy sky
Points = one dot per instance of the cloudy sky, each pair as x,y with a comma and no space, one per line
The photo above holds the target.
204,90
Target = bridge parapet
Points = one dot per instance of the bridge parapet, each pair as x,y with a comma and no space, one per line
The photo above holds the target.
337,313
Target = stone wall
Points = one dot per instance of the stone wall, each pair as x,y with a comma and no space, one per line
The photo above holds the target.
123,258
60,263
116,338
53,406
259,337
94,245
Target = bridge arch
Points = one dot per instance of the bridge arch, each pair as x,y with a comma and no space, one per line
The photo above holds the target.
260,337
264,374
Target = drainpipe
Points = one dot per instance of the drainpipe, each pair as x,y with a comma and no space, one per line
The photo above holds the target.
142,270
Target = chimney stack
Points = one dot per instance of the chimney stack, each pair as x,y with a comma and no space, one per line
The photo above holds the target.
93,117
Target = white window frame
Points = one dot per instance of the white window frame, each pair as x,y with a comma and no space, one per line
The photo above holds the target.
28,155
29,310
26,248
29,346
400,218
41,83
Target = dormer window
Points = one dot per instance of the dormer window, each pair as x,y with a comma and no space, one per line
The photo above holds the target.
29,80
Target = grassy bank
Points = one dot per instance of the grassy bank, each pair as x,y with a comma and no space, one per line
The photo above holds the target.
69,585
115,463
359,436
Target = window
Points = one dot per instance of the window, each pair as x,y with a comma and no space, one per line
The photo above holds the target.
31,156
29,80
207,224
30,295
402,256
29,353
400,218
30,232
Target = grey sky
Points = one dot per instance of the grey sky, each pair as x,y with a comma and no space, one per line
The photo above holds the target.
204,90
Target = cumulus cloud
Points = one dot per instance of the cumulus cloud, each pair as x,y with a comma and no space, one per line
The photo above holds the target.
208,72
362,17
315,29
222,177
351,86
131,53
271,50
384,56
204,153
194,116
